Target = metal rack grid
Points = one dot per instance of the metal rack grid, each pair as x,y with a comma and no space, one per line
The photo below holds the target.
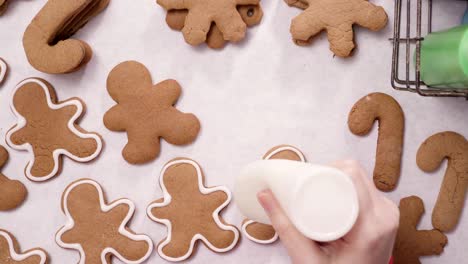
412,81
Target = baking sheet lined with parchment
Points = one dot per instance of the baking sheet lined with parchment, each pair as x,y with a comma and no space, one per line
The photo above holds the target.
249,97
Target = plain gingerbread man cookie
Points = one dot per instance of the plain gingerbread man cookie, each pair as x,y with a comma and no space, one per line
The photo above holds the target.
263,233
411,243
99,230
48,129
9,252
12,192
337,17
146,112
191,212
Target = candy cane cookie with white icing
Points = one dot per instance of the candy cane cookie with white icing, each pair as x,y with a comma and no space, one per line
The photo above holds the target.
191,212
48,129
263,233
99,230
9,252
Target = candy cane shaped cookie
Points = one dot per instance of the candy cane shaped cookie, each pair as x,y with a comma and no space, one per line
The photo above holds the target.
386,110
451,199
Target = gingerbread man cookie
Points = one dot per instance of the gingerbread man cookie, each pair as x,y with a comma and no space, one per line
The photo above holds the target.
191,212
203,13
46,40
146,112
263,233
12,192
3,6
99,230
388,112
3,70
251,14
337,17
48,129
411,243
9,249
451,200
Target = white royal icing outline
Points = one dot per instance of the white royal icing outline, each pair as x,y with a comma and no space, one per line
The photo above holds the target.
71,125
105,208
249,222
3,69
22,256
204,190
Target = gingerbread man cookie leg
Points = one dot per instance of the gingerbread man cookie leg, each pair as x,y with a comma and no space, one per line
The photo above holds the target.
3,70
191,212
48,129
146,112
9,252
451,199
383,108
410,243
99,230
12,192
262,233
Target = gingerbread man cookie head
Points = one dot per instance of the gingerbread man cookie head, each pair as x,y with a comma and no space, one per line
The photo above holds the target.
12,192
99,230
48,130
191,212
146,112
451,200
9,252
337,17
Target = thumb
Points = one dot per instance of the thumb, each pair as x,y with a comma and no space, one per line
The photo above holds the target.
300,248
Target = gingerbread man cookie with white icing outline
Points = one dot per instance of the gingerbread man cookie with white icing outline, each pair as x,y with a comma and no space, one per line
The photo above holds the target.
37,97
9,253
263,233
75,203
214,200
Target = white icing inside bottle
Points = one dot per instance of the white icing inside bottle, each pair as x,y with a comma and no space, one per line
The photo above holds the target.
321,201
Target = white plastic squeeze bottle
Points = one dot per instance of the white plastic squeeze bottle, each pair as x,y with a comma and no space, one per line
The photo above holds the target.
320,201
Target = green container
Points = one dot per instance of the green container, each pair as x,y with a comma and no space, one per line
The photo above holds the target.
444,58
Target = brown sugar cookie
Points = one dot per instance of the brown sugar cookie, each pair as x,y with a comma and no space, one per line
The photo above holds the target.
9,252
99,230
387,111
203,13
251,14
48,129
46,42
146,112
191,212
452,195
263,233
337,18
411,243
12,192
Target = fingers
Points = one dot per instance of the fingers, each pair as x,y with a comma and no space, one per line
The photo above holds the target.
300,248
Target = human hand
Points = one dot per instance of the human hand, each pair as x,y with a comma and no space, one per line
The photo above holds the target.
370,241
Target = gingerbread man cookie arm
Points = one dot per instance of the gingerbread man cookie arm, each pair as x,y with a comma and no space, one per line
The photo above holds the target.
105,208
216,217
71,125
20,257
371,16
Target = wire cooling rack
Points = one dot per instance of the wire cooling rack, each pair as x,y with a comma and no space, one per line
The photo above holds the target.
406,74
